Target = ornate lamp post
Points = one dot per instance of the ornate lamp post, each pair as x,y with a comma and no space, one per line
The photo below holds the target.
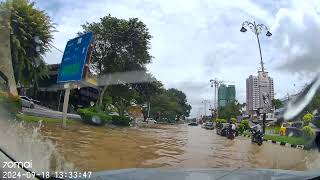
257,30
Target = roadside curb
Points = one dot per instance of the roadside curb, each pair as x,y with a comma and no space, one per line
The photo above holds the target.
281,143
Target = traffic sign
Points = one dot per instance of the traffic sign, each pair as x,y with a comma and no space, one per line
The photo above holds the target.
74,58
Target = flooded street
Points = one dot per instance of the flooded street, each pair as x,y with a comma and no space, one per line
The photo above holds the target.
169,146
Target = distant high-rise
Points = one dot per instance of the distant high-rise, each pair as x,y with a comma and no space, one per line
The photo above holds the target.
226,94
256,85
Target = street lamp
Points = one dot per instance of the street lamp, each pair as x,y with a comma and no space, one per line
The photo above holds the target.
205,107
256,29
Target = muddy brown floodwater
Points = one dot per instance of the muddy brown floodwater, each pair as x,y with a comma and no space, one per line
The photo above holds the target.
169,146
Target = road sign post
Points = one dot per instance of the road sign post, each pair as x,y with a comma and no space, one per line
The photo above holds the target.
65,104
72,66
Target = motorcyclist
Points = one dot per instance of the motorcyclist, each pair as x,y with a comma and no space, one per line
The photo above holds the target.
257,128
256,133
231,130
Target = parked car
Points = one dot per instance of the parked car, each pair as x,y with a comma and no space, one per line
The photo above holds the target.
209,125
27,102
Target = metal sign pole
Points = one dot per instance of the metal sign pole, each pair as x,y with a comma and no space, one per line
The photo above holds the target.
264,123
65,104
149,110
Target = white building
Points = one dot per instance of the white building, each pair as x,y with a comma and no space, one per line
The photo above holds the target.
259,91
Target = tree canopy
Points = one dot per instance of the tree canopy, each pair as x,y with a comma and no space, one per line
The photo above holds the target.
120,45
170,103
277,103
230,110
123,45
31,34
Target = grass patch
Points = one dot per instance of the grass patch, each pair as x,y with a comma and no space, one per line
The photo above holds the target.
28,118
275,129
290,140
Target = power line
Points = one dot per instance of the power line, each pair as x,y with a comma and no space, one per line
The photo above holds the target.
56,48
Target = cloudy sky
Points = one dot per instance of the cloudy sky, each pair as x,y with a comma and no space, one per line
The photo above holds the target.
195,41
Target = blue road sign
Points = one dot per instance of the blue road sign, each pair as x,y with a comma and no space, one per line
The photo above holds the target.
74,58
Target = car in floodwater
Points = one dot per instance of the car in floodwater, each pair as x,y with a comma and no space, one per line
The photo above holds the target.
193,124
209,125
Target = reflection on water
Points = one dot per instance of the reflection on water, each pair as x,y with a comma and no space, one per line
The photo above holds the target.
169,146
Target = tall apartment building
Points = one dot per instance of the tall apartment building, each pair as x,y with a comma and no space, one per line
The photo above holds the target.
226,94
256,86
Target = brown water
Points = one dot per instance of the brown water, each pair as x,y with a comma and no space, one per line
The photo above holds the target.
169,146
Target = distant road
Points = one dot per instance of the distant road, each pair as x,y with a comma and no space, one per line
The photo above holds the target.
41,111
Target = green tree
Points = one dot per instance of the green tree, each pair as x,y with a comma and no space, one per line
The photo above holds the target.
277,103
171,104
27,24
145,92
307,118
122,96
165,104
182,101
230,110
120,46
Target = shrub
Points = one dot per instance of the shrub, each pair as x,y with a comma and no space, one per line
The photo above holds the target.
120,120
87,114
240,128
9,103
233,120
307,132
223,121
307,118
245,124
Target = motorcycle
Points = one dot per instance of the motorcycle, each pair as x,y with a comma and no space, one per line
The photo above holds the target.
256,137
231,133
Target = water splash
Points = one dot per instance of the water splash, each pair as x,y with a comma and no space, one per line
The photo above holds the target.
24,143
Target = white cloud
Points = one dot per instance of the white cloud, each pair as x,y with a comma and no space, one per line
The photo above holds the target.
195,41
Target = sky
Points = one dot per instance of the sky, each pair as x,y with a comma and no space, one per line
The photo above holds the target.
198,40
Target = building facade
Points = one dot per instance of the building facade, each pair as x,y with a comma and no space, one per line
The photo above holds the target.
260,91
226,94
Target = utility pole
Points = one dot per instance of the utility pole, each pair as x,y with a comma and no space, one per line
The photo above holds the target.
216,83
205,107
